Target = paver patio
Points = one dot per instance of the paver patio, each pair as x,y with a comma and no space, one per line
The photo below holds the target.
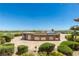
32,44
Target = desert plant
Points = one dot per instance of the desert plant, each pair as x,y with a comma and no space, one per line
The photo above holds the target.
22,49
46,47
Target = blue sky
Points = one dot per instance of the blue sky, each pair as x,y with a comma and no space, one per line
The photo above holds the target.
38,16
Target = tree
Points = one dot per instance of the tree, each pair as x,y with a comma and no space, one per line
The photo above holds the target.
46,47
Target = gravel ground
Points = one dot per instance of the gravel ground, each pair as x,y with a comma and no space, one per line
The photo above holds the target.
31,44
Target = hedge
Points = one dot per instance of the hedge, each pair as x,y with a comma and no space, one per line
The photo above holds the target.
22,49
6,50
7,38
8,44
17,34
71,38
46,47
42,54
2,40
56,53
65,50
73,45
28,54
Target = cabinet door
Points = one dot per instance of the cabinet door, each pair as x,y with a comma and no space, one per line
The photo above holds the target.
43,38
57,39
51,38
29,37
36,38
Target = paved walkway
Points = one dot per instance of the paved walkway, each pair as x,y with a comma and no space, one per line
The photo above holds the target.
31,44
76,53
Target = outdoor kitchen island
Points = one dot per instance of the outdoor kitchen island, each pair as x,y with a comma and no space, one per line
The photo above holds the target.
40,36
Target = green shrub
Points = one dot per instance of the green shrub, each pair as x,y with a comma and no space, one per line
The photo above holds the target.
46,47
8,44
69,37
2,41
17,34
6,50
7,38
42,54
77,39
69,32
22,49
56,53
73,45
28,54
1,34
68,43
65,50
